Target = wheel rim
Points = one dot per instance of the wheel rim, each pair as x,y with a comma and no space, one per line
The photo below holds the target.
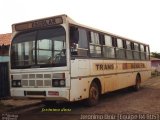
93,94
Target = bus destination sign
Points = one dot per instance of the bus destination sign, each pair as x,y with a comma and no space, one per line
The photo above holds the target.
39,24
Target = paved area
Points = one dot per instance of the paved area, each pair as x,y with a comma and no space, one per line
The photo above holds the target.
19,103
9,104
144,103
153,83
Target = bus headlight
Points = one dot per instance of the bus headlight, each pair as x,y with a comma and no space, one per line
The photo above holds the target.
16,83
58,82
62,82
55,83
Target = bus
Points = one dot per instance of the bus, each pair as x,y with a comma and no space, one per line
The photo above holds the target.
58,59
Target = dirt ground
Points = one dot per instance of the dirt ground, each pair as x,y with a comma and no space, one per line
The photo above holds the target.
122,104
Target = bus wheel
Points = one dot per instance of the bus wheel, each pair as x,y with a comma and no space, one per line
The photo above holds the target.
138,83
93,95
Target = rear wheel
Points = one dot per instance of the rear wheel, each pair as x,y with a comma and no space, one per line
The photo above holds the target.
93,95
138,83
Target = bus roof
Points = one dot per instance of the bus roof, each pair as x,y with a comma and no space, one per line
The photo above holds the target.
70,21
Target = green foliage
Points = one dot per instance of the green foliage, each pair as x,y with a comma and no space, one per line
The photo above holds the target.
155,54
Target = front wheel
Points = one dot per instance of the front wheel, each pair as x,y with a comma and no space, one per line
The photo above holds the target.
93,95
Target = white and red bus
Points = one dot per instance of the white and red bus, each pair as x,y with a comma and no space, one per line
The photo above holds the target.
58,59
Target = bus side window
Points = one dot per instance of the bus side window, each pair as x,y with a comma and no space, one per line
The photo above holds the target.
108,48
147,53
129,53
83,42
78,41
142,52
120,51
136,51
95,46
74,36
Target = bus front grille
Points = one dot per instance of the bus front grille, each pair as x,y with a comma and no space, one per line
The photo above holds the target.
24,83
39,75
36,80
36,83
39,82
47,83
31,82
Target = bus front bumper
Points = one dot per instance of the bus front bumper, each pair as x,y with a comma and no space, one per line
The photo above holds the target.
57,94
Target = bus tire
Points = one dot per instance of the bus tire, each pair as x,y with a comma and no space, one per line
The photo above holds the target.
138,83
93,95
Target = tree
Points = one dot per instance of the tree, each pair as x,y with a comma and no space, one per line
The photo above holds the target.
155,54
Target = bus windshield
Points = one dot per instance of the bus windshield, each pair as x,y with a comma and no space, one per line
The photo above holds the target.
39,48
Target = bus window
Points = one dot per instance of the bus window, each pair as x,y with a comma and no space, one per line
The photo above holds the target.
120,51
74,34
50,47
39,48
142,54
78,41
44,50
23,49
108,49
108,40
147,53
142,48
95,47
136,51
129,53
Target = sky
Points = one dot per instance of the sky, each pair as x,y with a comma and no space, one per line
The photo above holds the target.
135,19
